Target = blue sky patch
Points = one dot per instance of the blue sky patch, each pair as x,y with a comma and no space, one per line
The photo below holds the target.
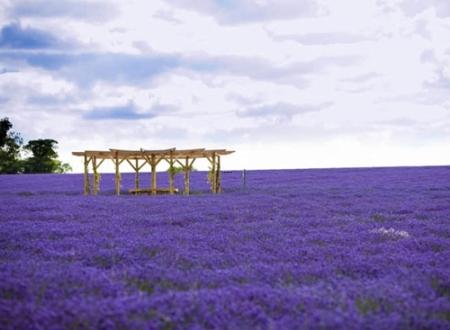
16,37
124,112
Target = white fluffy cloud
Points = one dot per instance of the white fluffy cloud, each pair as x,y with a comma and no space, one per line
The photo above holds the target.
318,83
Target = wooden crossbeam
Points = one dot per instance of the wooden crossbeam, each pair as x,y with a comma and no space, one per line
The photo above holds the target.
132,165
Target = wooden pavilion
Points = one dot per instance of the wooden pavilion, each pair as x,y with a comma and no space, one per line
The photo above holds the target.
138,158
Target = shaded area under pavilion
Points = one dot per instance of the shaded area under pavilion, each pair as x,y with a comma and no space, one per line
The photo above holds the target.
137,159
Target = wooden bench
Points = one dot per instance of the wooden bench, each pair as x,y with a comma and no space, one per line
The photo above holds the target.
148,191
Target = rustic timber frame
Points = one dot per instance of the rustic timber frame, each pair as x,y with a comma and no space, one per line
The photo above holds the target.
138,158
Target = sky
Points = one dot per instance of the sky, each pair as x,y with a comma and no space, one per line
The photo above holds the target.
285,83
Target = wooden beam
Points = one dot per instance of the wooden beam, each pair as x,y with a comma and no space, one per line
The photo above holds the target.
131,164
141,166
101,162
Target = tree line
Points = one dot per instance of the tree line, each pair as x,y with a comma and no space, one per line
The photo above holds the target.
37,156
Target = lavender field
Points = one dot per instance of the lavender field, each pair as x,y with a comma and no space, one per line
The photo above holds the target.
298,249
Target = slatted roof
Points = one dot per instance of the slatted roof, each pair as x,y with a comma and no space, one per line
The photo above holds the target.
143,153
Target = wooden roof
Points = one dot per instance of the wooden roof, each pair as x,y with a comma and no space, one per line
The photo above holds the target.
143,153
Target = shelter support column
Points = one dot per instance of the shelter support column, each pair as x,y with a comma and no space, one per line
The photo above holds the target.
213,174
171,174
96,175
153,166
136,175
87,185
218,176
186,177
117,174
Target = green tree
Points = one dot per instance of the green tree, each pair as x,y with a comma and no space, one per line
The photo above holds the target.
10,146
44,157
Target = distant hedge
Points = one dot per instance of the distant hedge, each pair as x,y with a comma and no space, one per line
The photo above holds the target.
37,156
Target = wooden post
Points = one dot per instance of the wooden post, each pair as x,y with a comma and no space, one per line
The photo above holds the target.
214,178
96,178
153,166
218,177
171,174
186,177
117,176
87,186
136,176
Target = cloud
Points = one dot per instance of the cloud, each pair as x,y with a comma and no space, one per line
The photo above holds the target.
247,11
243,100
6,70
88,68
129,111
82,10
441,81
48,100
14,36
125,112
362,78
281,110
414,7
329,38
256,68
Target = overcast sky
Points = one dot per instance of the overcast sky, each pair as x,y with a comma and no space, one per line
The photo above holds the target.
285,83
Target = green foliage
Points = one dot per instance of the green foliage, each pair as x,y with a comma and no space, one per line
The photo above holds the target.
211,175
367,305
10,145
43,159
174,170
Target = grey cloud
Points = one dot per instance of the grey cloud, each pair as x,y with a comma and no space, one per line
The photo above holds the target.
128,111
362,78
6,70
359,83
15,36
87,68
80,9
402,129
167,16
122,112
247,11
414,7
398,122
243,100
428,56
283,111
440,82
291,74
321,38
283,132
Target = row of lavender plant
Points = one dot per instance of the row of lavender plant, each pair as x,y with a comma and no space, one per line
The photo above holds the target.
342,248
